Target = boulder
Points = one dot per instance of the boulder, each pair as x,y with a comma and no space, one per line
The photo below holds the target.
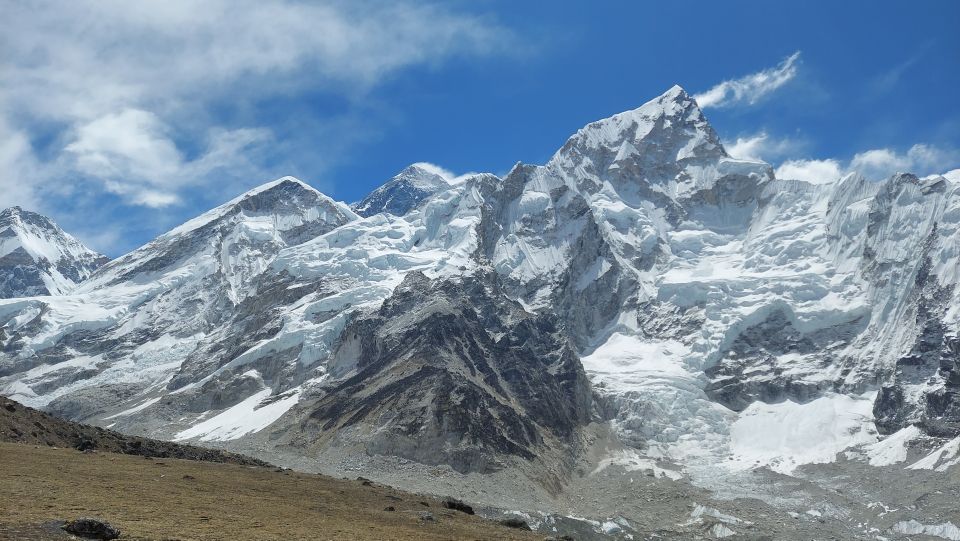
458,505
91,528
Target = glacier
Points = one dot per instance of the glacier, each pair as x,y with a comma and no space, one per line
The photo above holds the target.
708,314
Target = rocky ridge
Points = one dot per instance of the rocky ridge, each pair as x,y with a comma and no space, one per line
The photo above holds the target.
642,280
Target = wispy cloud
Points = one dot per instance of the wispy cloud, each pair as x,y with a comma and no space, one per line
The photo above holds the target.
751,88
127,97
892,77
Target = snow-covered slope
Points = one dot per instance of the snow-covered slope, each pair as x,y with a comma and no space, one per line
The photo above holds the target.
137,325
704,298
404,191
39,258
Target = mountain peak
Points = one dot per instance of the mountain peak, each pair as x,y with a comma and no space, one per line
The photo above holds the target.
285,182
11,211
291,180
239,237
426,169
405,190
19,214
38,258
673,117
271,196
655,143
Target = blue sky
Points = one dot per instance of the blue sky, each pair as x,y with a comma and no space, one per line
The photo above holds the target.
123,119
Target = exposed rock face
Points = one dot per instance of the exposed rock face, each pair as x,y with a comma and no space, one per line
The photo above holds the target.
748,372
909,262
454,373
38,258
932,364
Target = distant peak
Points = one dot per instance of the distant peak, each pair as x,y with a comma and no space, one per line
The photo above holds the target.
17,214
405,190
421,168
12,211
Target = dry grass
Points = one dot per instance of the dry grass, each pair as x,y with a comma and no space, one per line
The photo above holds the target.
180,499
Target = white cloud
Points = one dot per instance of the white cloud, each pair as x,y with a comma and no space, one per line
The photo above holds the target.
751,88
129,146
812,171
89,57
763,147
132,153
129,88
919,159
875,164
17,168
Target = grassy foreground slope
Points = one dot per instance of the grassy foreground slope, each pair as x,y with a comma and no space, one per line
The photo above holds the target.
162,498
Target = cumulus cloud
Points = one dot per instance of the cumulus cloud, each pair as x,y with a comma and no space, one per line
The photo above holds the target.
812,171
763,147
132,153
125,95
875,164
17,167
919,159
751,88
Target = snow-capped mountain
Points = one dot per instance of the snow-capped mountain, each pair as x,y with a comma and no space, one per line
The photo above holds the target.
39,258
404,191
642,280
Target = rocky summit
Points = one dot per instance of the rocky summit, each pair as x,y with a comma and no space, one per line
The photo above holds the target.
642,323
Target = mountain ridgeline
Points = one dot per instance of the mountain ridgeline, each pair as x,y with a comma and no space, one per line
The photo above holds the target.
642,279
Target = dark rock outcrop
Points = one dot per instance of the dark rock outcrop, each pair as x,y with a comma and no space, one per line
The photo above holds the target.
516,524
452,372
91,528
458,505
